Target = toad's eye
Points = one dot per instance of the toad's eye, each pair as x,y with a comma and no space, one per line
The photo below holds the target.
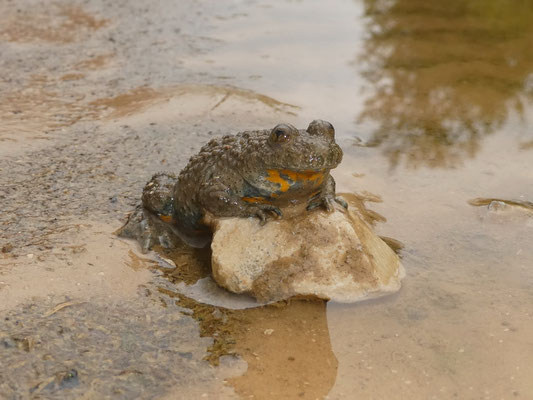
281,134
321,128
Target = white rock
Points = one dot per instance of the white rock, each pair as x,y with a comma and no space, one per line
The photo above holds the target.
333,256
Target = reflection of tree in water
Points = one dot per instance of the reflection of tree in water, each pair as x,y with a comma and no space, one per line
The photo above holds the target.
445,73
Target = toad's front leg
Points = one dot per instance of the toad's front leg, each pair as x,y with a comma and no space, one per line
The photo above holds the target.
221,201
326,197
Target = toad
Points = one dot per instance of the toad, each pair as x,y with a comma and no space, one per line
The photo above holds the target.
250,174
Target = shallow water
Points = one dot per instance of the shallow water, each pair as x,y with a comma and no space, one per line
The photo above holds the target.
441,97
432,103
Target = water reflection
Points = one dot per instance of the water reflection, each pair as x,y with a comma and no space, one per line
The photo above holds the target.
444,75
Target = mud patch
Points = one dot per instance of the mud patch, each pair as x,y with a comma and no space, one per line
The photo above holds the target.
90,263
501,204
358,202
55,23
105,349
526,145
188,264
95,62
38,109
188,99
72,77
132,102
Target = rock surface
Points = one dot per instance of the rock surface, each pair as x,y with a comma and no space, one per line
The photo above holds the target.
329,256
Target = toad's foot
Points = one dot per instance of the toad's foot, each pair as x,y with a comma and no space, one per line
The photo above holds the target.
326,202
264,211
148,229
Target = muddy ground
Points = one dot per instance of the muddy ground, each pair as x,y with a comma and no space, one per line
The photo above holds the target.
93,101
433,106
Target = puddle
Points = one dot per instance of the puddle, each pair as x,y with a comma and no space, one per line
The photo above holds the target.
286,346
432,105
90,263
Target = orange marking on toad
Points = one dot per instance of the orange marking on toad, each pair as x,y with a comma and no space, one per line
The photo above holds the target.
166,218
254,199
275,177
304,176
314,194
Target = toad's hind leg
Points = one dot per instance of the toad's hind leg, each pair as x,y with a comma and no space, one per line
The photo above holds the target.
147,223
149,230
158,195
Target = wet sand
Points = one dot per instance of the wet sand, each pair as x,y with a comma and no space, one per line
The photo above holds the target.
433,108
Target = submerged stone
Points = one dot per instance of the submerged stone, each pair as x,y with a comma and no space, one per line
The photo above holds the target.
332,256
